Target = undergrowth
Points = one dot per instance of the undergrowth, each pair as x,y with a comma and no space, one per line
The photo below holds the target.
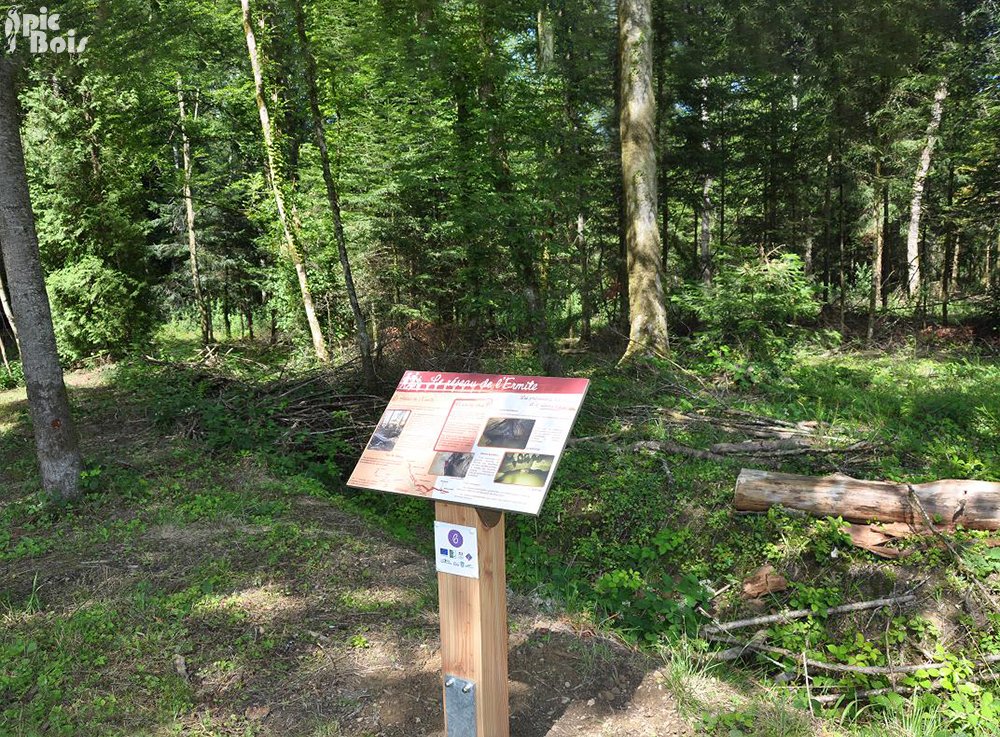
644,544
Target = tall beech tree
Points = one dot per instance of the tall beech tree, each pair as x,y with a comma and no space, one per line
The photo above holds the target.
56,439
204,310
276,178
647,311
913,259
360,322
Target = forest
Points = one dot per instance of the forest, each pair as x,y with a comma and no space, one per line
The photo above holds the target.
767,234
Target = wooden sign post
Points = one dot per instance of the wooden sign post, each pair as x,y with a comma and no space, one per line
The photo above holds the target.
474,629
477,445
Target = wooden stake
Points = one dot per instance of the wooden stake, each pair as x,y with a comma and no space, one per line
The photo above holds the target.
474,620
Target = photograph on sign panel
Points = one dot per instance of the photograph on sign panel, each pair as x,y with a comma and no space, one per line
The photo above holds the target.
506,432
524,469
455,465
389,429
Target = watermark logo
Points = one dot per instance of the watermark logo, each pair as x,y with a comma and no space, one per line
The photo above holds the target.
41,32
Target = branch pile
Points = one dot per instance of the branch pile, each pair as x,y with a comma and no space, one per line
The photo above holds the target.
798,664
291,411
773,439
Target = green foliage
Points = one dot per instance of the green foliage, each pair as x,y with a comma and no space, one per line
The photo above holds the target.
97,310
730,723
991,309
755,309
626,539
815,598
13,379
46,674
956,707
651,608
224,416
982,561
768,715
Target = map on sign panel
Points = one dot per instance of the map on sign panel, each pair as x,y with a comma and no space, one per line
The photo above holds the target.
488,441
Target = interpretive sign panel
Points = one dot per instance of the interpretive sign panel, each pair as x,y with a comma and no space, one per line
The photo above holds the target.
488,441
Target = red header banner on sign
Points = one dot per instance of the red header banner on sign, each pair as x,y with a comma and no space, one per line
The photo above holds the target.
425,381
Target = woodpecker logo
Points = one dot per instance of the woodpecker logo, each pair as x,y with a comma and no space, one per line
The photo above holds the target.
41,31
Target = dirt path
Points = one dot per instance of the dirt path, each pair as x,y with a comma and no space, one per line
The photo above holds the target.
562,682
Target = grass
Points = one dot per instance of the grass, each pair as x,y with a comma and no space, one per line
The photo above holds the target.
189,554
210,534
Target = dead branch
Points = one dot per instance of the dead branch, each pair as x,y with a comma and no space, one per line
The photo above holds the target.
594,439
904,690
664,446
890,671
753,447
787,616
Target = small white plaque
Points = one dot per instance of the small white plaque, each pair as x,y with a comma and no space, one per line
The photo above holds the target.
457,549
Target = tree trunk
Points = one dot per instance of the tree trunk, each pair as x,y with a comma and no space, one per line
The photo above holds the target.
973,504
842,249
877,250
7,313
523,255
226,307
546,39
887,252
647,311
797,179
199,296
950,266
705,230
988,271
661,45
916,199
827,224
6,321
275,178
56,439
3,357
586,305
723,175
333,197
924,258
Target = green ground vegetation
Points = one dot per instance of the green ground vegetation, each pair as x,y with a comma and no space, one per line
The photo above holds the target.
631,540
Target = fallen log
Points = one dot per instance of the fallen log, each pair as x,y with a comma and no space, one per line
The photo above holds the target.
973,504
956,556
